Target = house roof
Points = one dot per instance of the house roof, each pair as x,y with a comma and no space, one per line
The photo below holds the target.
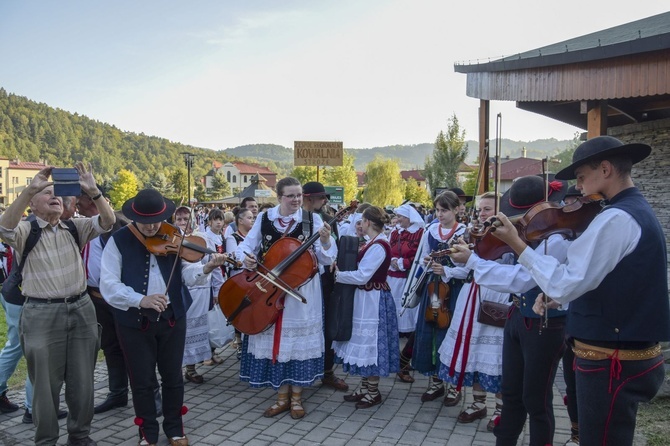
416,174
519,167
26,165
245,168
640,36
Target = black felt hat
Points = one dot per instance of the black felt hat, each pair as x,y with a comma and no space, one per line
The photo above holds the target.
603,147
461,194
314,189
528,191
148,206
573,192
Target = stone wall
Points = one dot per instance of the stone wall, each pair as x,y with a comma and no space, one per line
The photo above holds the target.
652,176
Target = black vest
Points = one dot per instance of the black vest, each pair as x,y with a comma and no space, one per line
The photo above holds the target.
271,234
631,303
135,274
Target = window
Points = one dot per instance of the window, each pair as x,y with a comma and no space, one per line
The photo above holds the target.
28,181
245,179
15,180
228,176
0,188
234,178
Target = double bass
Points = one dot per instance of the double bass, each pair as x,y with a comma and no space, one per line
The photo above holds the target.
252,300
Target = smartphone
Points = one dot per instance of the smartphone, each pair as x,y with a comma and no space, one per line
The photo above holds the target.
66,181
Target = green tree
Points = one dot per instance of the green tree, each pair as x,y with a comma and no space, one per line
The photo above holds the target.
123,188
220,187
161,183
179,180
304,174
416,193
345,176
450,151
384,184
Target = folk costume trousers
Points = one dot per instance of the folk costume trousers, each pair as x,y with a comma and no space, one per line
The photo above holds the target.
530,360
158,344
608,395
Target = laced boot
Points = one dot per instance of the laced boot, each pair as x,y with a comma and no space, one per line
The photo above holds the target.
282,405
405,367
435,389
297,411
192,375
453,396
359,393
372,397
574,435
477,409
495,419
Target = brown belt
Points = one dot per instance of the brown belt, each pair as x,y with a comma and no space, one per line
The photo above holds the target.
94,292
592,352
375,286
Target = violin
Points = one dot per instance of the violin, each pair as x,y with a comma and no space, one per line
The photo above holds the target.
167,241
437,310
252,300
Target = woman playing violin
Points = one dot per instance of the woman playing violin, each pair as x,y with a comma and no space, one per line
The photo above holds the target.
289,355
150,303
444,282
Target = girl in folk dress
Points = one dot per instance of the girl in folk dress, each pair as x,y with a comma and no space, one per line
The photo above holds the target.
196,348
244,220
471,353
429,335
299,361
373,348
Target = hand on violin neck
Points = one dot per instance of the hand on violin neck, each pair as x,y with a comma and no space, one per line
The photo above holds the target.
437,269
508,233
460,252
215,260
324,235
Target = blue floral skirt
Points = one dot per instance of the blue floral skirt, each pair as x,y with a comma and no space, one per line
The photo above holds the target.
388,349
263,373
489,383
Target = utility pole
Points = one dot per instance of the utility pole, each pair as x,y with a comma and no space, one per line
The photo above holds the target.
188,160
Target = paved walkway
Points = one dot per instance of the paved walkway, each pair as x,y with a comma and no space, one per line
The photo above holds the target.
224,411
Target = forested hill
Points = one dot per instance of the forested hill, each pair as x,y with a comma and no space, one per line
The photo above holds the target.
32,131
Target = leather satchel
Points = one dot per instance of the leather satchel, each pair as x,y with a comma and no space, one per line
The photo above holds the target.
492,313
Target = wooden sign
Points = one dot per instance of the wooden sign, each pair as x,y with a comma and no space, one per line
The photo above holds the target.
318,153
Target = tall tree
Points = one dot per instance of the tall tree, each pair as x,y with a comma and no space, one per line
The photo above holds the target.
345,176
450,151
304,174
161,183
124,187
415,193
384,184
179,180
220,187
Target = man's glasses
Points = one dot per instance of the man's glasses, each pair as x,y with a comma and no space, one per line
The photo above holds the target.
292,196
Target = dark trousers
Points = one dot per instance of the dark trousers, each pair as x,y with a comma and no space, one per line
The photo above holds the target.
160,344
530,360
109,342
327,284
608,394
570,384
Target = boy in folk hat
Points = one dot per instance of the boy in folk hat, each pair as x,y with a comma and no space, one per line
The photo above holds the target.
615,280
150,308
531,352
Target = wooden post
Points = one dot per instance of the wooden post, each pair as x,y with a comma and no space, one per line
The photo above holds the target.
484,109
596,117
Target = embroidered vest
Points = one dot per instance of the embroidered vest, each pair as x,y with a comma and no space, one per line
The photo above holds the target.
378,279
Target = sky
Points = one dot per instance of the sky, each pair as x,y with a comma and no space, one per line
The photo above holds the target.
219,73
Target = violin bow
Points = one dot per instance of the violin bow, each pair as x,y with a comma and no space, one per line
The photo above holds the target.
176,260
545,176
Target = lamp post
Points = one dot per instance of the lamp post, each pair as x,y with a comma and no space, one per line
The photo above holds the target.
188,160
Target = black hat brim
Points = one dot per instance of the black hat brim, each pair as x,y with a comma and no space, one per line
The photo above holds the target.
130,213
555,196
636,152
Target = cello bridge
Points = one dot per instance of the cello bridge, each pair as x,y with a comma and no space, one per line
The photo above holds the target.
263,290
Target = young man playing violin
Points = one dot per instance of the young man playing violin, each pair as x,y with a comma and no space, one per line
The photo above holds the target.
150,302
531,350
615,281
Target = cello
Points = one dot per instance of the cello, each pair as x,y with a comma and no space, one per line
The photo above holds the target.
252,300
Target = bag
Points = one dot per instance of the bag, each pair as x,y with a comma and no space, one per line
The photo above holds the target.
340,316
220,333
492,313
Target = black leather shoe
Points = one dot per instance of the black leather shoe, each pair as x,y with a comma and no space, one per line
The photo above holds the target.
7,406
86,441
28,417
111,403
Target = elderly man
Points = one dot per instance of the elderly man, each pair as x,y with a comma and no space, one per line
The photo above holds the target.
59,333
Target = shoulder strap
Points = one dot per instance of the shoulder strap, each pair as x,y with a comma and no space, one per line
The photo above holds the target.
73,230
307,219
31,241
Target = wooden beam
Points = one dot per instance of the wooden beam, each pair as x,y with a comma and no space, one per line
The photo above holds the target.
596,118
484,111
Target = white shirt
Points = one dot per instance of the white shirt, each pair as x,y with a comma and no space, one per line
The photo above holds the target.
610,237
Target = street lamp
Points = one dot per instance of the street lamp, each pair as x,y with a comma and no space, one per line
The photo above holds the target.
188,160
